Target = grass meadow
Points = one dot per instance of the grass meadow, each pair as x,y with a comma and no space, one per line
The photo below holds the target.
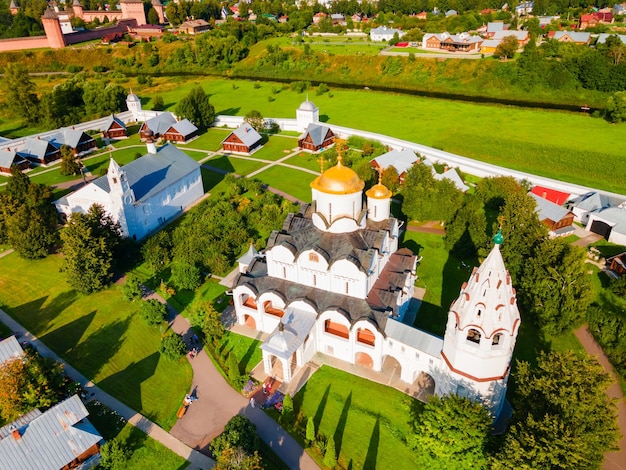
369,421
546,143
101,335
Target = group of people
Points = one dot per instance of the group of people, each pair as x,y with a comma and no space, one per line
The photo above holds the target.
267,390
189,399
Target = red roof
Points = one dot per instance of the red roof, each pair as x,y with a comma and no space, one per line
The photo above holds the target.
551,195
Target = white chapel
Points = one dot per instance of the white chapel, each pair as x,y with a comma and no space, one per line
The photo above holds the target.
333,281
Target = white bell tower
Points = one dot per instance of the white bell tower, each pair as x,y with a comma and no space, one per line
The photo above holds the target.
133,104
307,114
483,323
122,198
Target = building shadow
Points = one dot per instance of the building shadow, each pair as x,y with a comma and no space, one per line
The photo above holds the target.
372,449
126,384
341,425
67,336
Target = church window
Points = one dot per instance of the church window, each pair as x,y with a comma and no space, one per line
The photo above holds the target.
114,180
473,336
375,210
330,212
314,280
497,339
347,287
284,273
478,313
336,329
365,336
314,258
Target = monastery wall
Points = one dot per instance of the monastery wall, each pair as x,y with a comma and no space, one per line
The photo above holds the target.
90,15
19,44
121,27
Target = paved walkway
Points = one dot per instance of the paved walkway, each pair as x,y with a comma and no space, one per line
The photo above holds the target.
218,402
612,460
196,459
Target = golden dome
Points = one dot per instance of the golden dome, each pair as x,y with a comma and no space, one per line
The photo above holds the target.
338,180
379,191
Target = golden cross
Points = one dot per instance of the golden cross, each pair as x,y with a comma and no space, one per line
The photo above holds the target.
321,161
501,220
339,145
380,172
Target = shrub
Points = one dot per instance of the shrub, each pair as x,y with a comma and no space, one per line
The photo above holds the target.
287,416
173,346
141,79
233,369
238,432
257,85
99,68
330,457
157,103
186,276
74,68
131,290
114,455
321,89
300,86
271,98
310,428
153,311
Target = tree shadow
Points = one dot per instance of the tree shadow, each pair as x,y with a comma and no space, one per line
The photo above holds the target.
67,336
248,355
99,347
372,449
126,384
39,316
341,425
229,111
413,246
317,419
324,118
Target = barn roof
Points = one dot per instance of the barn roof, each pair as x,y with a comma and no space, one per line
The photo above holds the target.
10,348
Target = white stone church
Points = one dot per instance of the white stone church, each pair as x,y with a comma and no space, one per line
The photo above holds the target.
333,281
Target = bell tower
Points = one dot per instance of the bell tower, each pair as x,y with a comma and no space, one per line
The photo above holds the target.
122,198
483,323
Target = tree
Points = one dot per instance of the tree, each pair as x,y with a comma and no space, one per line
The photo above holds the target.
158,104
466,232
20,92
507,48
157,250
310,429
451,429
186,276
29,382
522,232
391,178
235,458
153,16
288,413
173,346
238,432
418,184
233,368
70,163
202,314
197,108
555,287
563,418
615,48
494,190
28,220
255,119
89,244
114,455
153,311
131,290
330,456
615,110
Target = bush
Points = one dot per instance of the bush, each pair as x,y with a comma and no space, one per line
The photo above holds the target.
74,68
186,276
173,346
321,89
233,369
288,415
310,428
158,104
330,457
131,290
99,68
153,311
114,455
257,85
238,432
141,79
300,86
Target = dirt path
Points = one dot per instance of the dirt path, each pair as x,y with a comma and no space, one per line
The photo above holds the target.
612,460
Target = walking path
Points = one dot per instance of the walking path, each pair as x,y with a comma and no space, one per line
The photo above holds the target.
612,460
196,459
217,402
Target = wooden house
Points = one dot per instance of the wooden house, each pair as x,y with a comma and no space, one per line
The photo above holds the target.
40,151
316,137
557,218
9,157
80,142
180,131
194,26
617,264
114,128
244,139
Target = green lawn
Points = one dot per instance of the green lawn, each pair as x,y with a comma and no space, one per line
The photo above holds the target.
293,182
546,143
143,452
441,274
306,160
210,140
233,163
246,349
276,148
369,421
101,335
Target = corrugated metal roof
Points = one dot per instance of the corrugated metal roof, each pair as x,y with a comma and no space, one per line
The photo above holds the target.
414,338
161,123
185,127
247,134
109,122
548,210
10,348
317,133
401,160
52,440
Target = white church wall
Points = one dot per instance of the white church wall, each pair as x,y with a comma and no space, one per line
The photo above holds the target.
347,279
331,344
376,351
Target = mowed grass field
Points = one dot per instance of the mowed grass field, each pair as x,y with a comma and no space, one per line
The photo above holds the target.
562,145
369,421
101,335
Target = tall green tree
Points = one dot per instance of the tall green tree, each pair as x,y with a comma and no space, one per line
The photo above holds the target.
563,418
494,190
70,162
20,93
466,232
89,245
330,456
522,231
238,432
507,48
451,429
555,287
256,120
197,108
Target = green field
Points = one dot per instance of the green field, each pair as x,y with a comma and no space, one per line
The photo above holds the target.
546,143
293,182
101,335
369,421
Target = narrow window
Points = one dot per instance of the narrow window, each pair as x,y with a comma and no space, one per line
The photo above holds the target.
347,288
375,211
473,336
284,272
314,258
314,280
496,339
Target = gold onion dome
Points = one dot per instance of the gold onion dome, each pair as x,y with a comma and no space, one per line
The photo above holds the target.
379,191
338,180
